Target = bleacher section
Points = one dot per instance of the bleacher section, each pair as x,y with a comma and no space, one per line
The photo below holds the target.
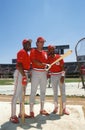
7,70
72,69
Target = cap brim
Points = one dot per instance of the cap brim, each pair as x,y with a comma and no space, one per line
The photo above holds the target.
42,41
30,40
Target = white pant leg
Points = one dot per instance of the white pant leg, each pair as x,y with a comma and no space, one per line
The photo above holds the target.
63,93
34,85
43,83
55,83
17,90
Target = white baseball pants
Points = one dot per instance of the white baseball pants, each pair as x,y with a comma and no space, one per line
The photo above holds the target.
17,90
55,81
38,78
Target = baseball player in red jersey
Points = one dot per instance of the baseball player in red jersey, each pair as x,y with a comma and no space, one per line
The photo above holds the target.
20,78
39,75
57,76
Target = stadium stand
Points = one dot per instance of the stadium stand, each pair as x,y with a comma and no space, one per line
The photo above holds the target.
71,69
7,70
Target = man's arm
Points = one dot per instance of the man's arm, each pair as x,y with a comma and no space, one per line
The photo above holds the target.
20,68
39,63
63,74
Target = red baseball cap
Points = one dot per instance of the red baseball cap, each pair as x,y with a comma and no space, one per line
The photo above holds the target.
26,41
41,39
51,47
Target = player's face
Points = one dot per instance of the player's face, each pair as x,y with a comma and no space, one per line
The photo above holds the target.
51,51
27,46
40,45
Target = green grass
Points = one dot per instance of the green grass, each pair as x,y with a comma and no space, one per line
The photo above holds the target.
6,81
11,81
67,80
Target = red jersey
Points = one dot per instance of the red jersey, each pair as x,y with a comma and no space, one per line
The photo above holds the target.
56,67
40,56
24,58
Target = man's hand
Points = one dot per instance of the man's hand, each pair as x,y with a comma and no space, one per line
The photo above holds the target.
62,79
24,80
47,66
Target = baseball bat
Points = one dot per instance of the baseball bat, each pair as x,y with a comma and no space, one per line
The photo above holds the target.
23,107
61,103
62,57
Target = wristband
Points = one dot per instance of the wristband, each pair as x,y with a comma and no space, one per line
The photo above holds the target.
63,73
47,66
24,80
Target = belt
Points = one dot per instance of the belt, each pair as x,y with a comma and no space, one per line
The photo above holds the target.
26,71
41,70
56,73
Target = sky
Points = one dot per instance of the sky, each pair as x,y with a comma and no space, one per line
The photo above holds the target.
60,22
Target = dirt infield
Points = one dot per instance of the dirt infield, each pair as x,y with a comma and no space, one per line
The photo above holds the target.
71,100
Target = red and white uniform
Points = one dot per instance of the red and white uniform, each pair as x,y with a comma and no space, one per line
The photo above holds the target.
39,75
24,58
56,68
39,56
56,73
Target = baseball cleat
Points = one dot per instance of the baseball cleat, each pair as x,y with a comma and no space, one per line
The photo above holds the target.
65,111
44,112
32,114
14,119
55,110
